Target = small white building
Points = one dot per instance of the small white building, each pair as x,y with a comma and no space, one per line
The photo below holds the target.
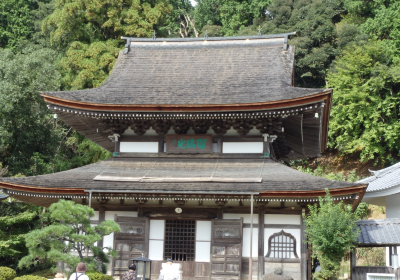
384,190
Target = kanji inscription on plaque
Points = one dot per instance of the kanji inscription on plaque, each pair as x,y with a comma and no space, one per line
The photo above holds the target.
188,144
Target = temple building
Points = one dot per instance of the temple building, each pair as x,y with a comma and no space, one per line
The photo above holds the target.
199,129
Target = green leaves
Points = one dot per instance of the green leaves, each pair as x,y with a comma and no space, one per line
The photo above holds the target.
25,125
330,230
365,111
232,15
70,232
88,65
100,20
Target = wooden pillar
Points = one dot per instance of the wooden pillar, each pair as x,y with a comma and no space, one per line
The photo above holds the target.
266,149
353,262
220,213
140,212
261,215
219,145
102,217
161,144
303,247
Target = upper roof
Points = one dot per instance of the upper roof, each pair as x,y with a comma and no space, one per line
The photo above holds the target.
383,179
379,232
194,71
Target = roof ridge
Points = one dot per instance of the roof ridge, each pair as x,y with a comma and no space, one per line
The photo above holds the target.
190,39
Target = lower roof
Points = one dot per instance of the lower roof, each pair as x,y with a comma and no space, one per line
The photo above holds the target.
376,233
177,175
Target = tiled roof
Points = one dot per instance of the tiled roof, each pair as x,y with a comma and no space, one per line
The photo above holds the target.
274,176
379,232
383,179
3,196
192,73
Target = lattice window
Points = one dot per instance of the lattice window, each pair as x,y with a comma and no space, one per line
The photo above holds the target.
282,245
179,240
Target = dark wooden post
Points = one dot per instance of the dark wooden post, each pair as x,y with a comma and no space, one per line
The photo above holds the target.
102,217
303,247
261,215
161,144
220,213
353,260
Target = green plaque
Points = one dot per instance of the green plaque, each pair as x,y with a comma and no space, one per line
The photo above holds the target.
189,144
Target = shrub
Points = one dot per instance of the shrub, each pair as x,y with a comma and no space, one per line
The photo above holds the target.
95,275
7,273
30,277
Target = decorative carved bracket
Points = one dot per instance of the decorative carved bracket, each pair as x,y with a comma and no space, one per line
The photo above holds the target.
180,202
221,202
140,126
220,127
200,126
181,126
161,127
116,126
243,126
264,126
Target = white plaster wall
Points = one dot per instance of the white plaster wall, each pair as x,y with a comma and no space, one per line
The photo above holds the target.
202,253
246,243
156,242
96,216
156,250
246,217
138,147
393,206
242,147
203,241
281,219
157,228
203,230
270,231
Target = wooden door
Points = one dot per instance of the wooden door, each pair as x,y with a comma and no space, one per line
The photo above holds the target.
132,242
226,249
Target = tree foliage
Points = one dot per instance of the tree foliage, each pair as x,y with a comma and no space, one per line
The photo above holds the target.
16,219
25,124
365,109
316,39
331,232
15,22
180,22
231,15
69,237
88,65
99,20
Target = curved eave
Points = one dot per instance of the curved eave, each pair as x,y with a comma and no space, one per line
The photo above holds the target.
34,189
323,96
342,191
359,190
